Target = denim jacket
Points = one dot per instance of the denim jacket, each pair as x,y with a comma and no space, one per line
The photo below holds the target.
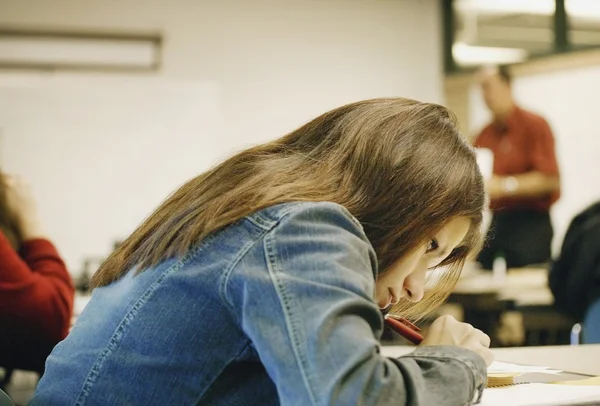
277,308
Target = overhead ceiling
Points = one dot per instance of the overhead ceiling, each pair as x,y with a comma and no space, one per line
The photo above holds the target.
523,25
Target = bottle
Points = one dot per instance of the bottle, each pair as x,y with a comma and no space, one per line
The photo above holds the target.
499,269
83,282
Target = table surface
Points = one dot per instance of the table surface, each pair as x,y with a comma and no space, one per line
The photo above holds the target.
525,286
582,359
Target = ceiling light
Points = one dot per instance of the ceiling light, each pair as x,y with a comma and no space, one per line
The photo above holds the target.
27,49
467,55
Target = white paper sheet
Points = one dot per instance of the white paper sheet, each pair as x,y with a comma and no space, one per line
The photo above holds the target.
505,367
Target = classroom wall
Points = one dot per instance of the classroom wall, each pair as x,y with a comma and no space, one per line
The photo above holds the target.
567,99
278,62
234,73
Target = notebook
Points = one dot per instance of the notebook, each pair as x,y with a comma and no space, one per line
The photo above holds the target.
501,379
541,394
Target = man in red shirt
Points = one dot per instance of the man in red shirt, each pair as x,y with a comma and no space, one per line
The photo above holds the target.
526,179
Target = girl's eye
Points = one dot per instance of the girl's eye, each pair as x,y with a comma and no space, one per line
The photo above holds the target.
432,246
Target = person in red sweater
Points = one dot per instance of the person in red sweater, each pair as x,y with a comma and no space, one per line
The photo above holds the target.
36,290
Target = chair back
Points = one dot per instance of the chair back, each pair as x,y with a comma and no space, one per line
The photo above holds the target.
591,324
5,399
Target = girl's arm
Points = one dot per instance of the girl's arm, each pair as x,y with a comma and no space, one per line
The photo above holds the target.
36,291
309,312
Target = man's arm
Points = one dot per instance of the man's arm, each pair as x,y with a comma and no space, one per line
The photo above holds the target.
529,184
542,180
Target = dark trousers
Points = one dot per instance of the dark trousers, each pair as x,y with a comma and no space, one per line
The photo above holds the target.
524,238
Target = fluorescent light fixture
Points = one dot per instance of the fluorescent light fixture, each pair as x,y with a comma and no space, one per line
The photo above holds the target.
467,55
545,7
583,8
71,50
574,8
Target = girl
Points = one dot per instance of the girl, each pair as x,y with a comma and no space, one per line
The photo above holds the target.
36,293
262,280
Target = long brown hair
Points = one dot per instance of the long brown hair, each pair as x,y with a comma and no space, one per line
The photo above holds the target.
401,167
8,221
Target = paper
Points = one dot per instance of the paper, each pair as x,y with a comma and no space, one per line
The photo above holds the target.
505,367
540,394
593,381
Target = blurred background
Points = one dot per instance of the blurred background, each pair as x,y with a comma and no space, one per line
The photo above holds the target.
107,106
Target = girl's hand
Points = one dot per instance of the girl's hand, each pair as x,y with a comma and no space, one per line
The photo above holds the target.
23,206
446,330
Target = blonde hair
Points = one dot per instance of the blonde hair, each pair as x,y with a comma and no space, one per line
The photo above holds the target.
399,166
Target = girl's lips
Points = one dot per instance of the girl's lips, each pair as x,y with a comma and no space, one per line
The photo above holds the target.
394,299
391,301
387,306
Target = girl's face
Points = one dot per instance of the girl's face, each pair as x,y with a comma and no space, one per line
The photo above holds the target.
405,278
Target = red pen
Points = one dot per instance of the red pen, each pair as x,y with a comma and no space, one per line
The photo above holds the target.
405,328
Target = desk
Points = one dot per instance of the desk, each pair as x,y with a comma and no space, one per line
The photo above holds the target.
522,286
582,359
525,290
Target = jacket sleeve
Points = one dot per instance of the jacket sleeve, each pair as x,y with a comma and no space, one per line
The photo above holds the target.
36,290
316,328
